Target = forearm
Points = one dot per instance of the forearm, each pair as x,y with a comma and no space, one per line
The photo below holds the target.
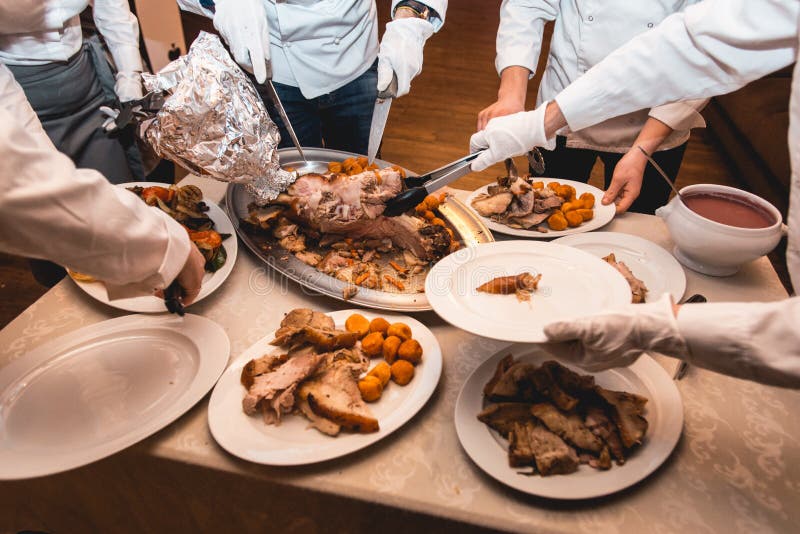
652,135
514,84
754,341
120,30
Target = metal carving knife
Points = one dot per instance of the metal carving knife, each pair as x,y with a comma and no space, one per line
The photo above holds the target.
379,116
273,95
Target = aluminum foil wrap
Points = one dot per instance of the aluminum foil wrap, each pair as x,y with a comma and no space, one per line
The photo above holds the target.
214,123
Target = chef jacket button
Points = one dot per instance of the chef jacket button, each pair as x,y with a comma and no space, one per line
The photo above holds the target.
590,18
649,24
337,40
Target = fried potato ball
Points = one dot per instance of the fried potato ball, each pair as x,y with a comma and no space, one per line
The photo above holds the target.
573,219
537,185
411,351
371,388
379,324
362,161
588,200
372,345
586,214
390,347
335,166
383,371
569,206
429,215
554,186
357,323
438,222
432,201
400,330
557,221
402,372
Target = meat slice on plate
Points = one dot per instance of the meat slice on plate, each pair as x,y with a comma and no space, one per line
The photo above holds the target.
488,204
515,384
270,385
638,289
568,427
626,411
601,426
333,394
503,415
546,384
531,443
502,366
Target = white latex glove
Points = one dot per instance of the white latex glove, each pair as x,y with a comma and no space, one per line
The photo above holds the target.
128,86
401,52
617,339
243,24
508,136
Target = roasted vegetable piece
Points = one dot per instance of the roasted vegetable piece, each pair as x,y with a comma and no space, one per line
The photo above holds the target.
357,323
557,221
205,239
217,260
411,351
371,388
573,219
372,345
390,346
400,330
402,372
379,324
383,372
149,194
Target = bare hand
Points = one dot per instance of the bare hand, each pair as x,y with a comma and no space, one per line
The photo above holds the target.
626,183
503,106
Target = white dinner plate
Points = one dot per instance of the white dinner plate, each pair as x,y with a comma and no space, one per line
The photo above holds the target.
95,391
574,283
657,268
602,214
294,442
664,413
211,281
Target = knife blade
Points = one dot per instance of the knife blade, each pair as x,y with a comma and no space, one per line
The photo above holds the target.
273,95
379,116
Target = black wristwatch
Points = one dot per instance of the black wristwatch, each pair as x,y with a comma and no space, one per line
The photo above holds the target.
422,11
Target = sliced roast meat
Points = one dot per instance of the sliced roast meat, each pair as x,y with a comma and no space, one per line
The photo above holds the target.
334,395
568,427
533,443
269,385
492,203
601,426
626,411
503,415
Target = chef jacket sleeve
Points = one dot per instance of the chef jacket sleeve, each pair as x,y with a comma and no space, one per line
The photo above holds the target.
711,48
51,210
193,6
120,30
681,115
521,31
755,341
440,6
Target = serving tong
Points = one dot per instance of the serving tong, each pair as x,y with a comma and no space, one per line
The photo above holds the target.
421,186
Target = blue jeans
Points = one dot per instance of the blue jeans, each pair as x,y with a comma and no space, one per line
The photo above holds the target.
339,120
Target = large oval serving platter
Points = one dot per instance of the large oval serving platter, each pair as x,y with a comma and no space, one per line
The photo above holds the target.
465,223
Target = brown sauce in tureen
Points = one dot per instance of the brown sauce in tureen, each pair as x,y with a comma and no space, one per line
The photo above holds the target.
732,210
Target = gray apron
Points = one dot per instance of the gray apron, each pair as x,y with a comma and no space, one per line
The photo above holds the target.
67,96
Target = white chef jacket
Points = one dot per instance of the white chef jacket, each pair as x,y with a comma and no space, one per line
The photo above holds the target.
37,32
319,46
51,210
714,47
585,32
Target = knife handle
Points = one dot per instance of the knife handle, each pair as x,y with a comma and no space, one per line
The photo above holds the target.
391,91
405,201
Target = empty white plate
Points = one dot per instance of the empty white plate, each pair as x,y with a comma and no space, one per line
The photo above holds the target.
657,268
294,442
574,283
211,281
664,413
100,389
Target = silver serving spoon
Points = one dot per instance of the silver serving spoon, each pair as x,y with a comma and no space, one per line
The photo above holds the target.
661,172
